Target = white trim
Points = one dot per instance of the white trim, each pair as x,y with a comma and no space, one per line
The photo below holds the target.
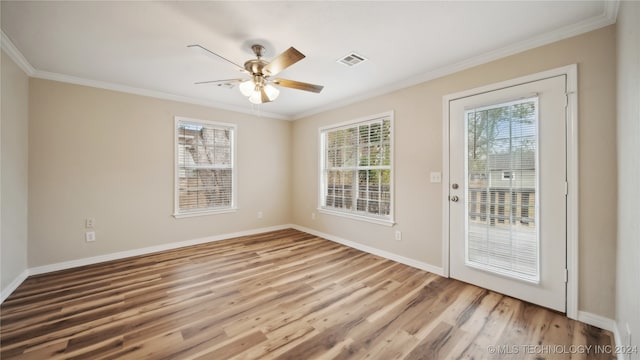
611,8
600,321
14,285
16,55
371,250
204,213
571,72
149,250
349,123
617,341
151,93
356,216
573,183
446,179
604,323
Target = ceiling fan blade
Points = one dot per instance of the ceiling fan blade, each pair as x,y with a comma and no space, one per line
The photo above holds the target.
283,61
218,81
298,85
241,68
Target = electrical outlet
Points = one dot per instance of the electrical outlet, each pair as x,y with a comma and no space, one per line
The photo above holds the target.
90,236
313,216
398,235
89,223
259,214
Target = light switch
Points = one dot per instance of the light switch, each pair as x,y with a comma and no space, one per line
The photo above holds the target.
436,177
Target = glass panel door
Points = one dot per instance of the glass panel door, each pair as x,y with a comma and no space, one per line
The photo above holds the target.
507,190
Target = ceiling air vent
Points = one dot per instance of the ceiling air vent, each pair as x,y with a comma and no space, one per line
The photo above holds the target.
352,59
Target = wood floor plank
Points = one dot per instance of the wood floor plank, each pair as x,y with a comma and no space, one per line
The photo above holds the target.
277,295
497,322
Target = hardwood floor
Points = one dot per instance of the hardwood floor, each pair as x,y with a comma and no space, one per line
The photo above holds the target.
278,295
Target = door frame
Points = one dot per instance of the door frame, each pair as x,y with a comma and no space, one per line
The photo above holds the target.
571,73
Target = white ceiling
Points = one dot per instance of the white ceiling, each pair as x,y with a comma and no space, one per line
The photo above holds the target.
140,47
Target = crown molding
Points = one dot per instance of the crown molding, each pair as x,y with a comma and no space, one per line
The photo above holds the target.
152,93
7,45
611,8
608,17
15,54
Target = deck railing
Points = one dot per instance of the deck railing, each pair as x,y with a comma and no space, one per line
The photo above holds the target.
495,205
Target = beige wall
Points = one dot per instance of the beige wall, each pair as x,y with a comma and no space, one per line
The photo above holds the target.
418,151
109,155
13,172
628,276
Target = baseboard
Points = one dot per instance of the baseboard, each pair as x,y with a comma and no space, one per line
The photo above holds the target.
129,253
603,323
617,339
371,250
597,320
175,245
14,285
149,250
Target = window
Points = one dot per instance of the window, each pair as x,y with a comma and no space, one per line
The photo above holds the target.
508,175
205,167
356,175
502,231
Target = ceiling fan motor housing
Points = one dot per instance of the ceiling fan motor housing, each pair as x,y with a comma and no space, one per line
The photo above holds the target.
255,66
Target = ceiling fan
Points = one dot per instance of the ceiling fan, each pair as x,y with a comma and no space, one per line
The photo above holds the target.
259,87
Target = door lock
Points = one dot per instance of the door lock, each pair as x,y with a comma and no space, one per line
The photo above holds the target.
454,186
455,198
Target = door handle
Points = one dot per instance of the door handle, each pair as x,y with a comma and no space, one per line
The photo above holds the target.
454,198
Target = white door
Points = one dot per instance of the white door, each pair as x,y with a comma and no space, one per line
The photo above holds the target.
507,191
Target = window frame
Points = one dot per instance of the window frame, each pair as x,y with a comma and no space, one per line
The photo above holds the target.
177,213
387,220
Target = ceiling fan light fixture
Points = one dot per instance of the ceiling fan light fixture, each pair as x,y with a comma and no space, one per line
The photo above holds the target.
247,87
271,91
256,97
260,93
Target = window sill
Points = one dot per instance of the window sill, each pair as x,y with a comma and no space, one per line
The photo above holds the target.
203,213
369,219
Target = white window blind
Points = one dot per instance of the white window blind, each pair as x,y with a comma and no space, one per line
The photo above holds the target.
502,185
205,168
356,168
